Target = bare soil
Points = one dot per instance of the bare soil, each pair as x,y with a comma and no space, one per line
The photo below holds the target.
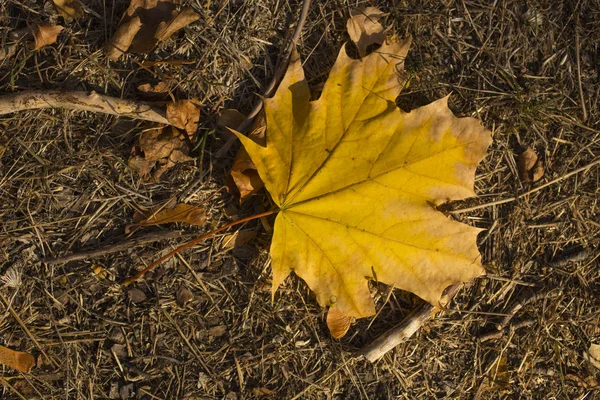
528,70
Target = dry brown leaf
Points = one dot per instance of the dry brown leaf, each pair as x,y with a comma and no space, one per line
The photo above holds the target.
230,118
181,20
243,178
593,355
69,9
364,30
237,239
158,19
531,167
136,295
158,90
187,213
338,323
217,331
184,114
45,35
158,149
18,360
183,296
122,38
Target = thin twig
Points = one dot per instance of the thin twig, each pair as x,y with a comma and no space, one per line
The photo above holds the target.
88,101
192,243
405,329
577,59
511,199
274,81
525,299
116,247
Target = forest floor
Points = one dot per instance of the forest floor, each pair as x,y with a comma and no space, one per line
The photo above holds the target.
529,70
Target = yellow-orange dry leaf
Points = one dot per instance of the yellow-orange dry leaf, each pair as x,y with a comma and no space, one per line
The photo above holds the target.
364,30
193,215
156,21
243,177
338,323
69,9
184,114
356,180
18,360
45,35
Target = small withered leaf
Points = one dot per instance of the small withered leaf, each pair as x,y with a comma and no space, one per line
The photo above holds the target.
338,323
45,35
18,360
69,9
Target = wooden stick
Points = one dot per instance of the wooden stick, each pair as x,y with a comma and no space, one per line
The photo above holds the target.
88,101
405,329
115,247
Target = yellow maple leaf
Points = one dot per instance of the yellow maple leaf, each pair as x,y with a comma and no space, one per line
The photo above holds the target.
356,181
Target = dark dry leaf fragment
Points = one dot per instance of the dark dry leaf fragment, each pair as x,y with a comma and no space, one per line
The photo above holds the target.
183,296
531,167
136,295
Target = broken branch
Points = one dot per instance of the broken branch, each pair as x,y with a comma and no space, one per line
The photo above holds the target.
405,329
88,101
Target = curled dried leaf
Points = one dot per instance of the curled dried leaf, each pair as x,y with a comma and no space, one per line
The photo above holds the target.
243,178
531,167
18,360
184,114
45,35
364,28
183,296
158,20
193,215
158,149
69,9
123,37
338,323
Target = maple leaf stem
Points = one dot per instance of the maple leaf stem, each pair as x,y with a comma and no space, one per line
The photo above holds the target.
194,242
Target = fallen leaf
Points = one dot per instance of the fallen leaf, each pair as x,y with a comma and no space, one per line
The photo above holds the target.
237,239
531,168
593,355
338,323
193,215
99,271
159,90
18,360
243,178
364,30
156,21
136,295
498,375
69,9
183,296
217,331
158,149
121,40
45,35
356,181
167,28
184,114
